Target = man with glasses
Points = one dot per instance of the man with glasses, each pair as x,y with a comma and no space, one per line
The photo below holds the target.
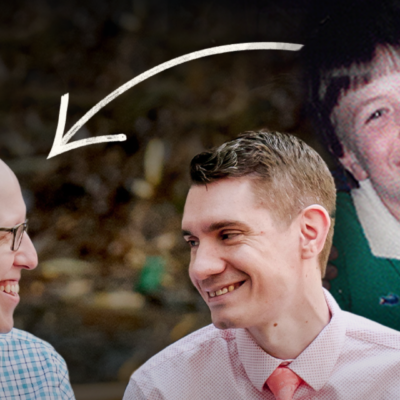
29,368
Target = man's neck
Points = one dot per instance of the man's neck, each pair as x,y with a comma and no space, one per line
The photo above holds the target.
295,327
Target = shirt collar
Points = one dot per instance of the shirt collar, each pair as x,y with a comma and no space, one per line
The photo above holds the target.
314,365
381,228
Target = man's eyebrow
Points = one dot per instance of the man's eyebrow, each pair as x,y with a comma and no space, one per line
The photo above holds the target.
224,224
219,225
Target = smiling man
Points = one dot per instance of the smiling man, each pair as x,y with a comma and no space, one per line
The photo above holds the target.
259,220
30,368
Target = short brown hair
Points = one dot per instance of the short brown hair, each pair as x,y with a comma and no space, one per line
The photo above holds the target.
287,173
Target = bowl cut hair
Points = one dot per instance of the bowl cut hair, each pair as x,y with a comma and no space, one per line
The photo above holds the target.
340,55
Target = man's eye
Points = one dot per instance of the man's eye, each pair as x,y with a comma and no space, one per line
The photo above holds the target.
192,243
227,236
5,235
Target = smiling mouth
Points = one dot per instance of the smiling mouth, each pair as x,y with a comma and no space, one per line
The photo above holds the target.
11,288
225,290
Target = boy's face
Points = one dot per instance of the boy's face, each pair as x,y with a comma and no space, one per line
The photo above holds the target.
367,121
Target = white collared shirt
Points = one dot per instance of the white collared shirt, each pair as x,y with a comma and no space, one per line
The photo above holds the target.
352,358
381,228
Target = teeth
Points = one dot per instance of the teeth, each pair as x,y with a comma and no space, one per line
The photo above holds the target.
221,291
224,290
10,288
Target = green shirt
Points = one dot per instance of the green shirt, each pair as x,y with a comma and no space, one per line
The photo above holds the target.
366,285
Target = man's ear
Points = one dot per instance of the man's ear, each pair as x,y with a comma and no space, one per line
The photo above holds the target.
315,224
350,162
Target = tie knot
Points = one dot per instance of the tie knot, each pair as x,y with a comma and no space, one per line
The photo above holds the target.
283,382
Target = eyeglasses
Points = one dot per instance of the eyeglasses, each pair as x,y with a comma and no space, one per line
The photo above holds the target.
18,233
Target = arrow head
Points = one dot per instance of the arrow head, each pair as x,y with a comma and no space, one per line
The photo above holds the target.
60,147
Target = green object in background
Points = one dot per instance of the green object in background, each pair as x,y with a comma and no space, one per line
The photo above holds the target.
363,279
152,275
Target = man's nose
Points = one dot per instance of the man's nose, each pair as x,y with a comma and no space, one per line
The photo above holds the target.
205,262
26,255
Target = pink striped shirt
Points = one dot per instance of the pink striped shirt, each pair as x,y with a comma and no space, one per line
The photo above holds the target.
352,358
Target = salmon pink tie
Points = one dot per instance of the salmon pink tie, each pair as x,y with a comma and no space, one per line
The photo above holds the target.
283,382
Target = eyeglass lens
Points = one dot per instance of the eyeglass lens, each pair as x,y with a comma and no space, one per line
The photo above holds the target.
19,233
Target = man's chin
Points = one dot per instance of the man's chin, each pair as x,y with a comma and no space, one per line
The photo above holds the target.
6,324
223,323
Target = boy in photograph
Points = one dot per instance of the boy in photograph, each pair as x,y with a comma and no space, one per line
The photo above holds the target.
353,70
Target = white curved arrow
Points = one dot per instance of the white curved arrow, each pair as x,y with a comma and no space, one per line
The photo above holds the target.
61,145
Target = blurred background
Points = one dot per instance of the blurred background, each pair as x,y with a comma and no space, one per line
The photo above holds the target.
111,288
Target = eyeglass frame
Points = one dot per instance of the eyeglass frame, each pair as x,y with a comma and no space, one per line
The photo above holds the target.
14,231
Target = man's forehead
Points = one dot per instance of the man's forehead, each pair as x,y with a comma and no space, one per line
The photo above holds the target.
11,201
7,176
223,203
224,193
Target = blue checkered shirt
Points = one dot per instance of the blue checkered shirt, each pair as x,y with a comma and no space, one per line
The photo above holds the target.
30,369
